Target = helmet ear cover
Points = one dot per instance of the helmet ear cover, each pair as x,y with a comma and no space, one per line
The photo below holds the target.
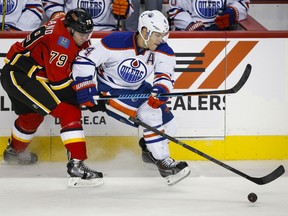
79,20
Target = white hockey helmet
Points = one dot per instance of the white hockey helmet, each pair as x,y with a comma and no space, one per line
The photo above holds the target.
154,21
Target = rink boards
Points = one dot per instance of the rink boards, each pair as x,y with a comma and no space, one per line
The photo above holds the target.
251,124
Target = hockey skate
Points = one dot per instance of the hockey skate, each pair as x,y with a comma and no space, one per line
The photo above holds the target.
11,156
147,156
172,170
169,169
82,176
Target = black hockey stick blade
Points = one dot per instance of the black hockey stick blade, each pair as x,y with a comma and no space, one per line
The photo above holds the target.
232,90
257,180
268,178
242,80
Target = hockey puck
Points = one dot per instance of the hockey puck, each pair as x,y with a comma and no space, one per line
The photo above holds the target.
252,197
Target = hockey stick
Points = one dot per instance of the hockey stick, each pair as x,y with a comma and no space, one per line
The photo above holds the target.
232,90
4,14
223,8
118,24
258,180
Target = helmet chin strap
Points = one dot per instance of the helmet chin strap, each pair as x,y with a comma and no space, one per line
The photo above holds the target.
145,41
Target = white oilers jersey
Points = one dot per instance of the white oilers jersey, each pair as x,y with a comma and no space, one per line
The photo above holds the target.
100,11
122,66
22,15
183,12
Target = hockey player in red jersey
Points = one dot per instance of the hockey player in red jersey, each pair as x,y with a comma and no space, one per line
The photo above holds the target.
36,77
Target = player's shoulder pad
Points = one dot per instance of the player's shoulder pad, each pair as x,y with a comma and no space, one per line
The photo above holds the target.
118,40
165,49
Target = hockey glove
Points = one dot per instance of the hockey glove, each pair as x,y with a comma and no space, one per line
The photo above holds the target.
101,106
227,17
195,26
156,102
85,89
120,9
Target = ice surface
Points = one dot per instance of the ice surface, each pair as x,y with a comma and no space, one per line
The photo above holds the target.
134,188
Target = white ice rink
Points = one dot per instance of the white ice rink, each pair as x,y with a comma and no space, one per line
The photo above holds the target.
134,188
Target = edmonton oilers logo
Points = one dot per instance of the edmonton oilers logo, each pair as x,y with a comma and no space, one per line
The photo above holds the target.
208,8
11,5
94,7
132,70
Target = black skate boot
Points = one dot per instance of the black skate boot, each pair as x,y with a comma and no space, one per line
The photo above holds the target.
172,170
147,156
82,176
11,156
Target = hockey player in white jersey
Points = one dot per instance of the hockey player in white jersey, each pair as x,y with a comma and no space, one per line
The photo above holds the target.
196,15
124,61
105,13
21,15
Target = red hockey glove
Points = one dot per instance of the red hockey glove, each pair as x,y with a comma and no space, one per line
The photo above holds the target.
85,89
120,9
227,17
156,102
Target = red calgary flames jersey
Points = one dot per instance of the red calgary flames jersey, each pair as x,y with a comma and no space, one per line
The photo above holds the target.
52,47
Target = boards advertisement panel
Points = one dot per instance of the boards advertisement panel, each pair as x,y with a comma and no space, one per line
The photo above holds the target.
203,63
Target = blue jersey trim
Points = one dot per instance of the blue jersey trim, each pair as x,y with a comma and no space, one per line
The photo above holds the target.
165,48
119,40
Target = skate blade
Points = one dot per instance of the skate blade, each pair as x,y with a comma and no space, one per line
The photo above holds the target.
174,179
76,182
15,163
